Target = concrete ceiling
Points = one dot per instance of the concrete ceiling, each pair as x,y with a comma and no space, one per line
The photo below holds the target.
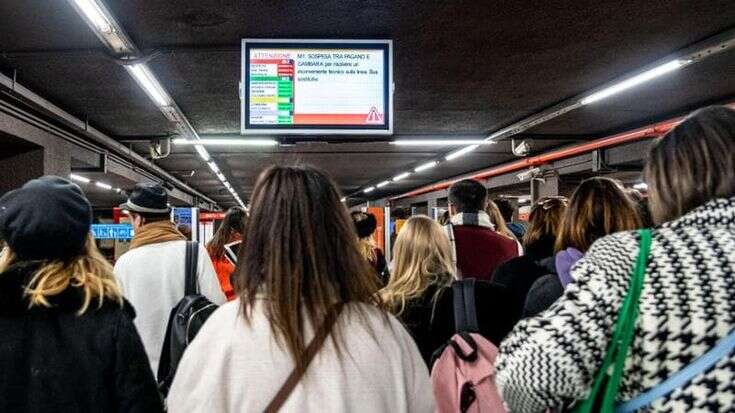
462,68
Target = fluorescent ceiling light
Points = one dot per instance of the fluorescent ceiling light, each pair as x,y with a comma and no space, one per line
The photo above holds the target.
463,151
103,185
202,152
213,166
369,189
633,81
382,184
227,142
642,186
401,176
440,142
79,178
94,13
149,83
221,177
426,166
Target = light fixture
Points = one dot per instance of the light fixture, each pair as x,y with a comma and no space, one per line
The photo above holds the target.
213,166
343,199
426,166
401,176
118,190
463,151
103,185
202,151
221,177
149,83
633,81
369,189
382,184
641,186
227,142
94,13
440,142
79,178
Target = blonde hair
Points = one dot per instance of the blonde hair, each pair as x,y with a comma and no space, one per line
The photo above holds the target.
90,272
423,258
496,218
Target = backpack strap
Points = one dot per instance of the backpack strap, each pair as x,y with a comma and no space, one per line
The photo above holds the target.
682,377
309,353
604,390
192,257
465,313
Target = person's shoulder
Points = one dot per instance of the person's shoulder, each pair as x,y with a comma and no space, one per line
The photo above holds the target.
614,244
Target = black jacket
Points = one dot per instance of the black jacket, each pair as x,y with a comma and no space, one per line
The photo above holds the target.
519,274
543,293
431,326
56,361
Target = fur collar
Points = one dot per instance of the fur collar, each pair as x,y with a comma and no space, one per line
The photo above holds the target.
13,300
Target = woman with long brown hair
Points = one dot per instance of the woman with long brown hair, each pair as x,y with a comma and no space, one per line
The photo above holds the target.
519,274
308,309
686,306
68,341
598,207
230,230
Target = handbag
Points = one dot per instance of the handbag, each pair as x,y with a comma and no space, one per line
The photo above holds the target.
607,381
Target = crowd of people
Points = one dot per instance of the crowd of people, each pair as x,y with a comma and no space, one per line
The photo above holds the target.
311,317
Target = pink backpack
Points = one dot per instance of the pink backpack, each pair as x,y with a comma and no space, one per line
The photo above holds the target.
463,376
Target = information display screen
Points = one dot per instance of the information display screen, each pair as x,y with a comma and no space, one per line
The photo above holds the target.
317,87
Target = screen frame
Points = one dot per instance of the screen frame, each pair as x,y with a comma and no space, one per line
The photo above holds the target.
247,129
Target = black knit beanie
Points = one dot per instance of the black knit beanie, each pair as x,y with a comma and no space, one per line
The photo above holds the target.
46,219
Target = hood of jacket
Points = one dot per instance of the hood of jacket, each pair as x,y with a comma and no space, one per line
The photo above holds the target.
564,262
13,300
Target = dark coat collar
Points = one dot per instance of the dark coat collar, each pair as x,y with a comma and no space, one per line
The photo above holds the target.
14,301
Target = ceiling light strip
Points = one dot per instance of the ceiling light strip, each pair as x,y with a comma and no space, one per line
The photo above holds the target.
702,50
107,29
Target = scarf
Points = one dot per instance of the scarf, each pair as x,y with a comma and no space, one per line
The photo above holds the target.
478,219
564,262
155,233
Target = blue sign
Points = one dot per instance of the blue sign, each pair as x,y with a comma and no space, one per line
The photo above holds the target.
182,216
112,231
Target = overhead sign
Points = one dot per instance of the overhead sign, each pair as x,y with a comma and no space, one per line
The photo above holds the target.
317,87
113,231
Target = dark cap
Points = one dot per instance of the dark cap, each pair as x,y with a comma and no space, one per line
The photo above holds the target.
148,198
46,219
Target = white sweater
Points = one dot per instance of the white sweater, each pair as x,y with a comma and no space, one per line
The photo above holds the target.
235,367
152,279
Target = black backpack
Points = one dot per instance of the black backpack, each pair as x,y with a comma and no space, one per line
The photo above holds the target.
185,321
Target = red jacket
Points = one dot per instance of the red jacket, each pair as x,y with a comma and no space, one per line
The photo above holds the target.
481,250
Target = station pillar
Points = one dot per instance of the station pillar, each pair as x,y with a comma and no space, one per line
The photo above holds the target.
20,167
548,186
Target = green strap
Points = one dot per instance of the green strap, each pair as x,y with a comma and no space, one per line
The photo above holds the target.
607,382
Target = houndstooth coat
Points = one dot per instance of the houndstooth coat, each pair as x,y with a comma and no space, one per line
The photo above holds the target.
687,306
